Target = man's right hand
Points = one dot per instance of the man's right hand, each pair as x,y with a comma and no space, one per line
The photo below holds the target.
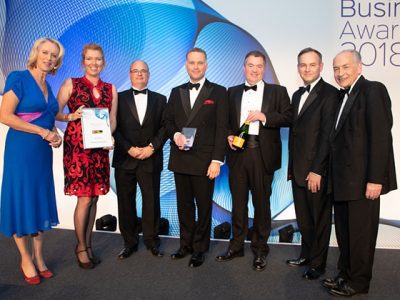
134,152
230,141
180,141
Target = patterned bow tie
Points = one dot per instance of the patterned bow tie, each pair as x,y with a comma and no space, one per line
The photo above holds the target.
140,92
193,85
344,92
246,88
303,89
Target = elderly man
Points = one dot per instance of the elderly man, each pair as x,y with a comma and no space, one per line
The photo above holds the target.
362,169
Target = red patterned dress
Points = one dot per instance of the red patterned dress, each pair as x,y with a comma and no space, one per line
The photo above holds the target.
87,171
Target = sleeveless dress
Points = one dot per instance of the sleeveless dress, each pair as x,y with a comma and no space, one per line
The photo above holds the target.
87,171
28,201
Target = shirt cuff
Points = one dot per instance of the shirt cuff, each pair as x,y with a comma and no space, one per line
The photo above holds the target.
315,173
218,161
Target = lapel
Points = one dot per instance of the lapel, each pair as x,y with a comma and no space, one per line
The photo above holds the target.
266,98
185,99
198,103
131,104
349,104
238,103
150,106
295,103
311,97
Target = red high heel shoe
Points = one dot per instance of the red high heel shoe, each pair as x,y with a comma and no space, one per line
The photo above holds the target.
31,280
46,273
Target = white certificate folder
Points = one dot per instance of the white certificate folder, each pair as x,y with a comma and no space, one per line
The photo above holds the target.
96,129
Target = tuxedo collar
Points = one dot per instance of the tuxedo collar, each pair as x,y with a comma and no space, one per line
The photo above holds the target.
314,91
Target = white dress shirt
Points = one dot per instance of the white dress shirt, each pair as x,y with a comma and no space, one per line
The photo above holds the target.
306,94
252,101
141,104
193,93
344,101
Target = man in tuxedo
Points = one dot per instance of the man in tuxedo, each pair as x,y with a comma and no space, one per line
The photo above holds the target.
362,169
267,108
138,158
201,105
314,107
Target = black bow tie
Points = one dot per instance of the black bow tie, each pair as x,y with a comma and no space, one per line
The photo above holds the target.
303,89
140,92
246,88
344,92
193,85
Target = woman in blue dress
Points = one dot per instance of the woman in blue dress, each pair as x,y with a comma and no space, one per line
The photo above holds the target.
28,204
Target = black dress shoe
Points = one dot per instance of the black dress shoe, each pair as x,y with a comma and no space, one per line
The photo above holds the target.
156,252
196,260
126,252
299,262
259,263
230,255
330,283
312,273
181,253
344,290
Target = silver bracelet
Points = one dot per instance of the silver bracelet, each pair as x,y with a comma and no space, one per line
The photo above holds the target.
45,136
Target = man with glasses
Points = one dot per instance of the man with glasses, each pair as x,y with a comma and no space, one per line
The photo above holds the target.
138,159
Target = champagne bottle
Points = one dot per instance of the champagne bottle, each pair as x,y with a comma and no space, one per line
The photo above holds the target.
239,139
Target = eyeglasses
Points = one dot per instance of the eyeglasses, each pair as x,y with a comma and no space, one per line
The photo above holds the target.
136,71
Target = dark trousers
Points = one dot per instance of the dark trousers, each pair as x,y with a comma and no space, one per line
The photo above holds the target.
248,174
356,224
149,183
194,191
314,218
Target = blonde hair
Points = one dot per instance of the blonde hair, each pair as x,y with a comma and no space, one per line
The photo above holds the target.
33,55
93,46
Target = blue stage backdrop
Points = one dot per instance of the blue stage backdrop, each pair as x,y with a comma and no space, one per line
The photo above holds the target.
159,32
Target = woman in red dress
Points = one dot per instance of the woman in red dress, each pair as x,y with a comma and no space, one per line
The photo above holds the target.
87,171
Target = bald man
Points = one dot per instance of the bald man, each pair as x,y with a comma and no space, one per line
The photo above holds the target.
138,159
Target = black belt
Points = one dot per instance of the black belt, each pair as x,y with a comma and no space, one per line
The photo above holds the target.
252,141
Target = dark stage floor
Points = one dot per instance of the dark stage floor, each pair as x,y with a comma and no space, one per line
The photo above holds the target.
143,276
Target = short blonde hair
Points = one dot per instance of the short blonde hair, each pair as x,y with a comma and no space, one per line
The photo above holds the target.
33,55
93,46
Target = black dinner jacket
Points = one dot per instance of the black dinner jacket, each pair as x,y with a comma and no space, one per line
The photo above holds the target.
209,116
130,133
309,134
276,107
361,145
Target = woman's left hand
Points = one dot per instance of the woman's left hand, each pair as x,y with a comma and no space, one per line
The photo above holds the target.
112,147
56,140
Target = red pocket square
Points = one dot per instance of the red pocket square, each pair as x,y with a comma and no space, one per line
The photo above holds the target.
208,102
